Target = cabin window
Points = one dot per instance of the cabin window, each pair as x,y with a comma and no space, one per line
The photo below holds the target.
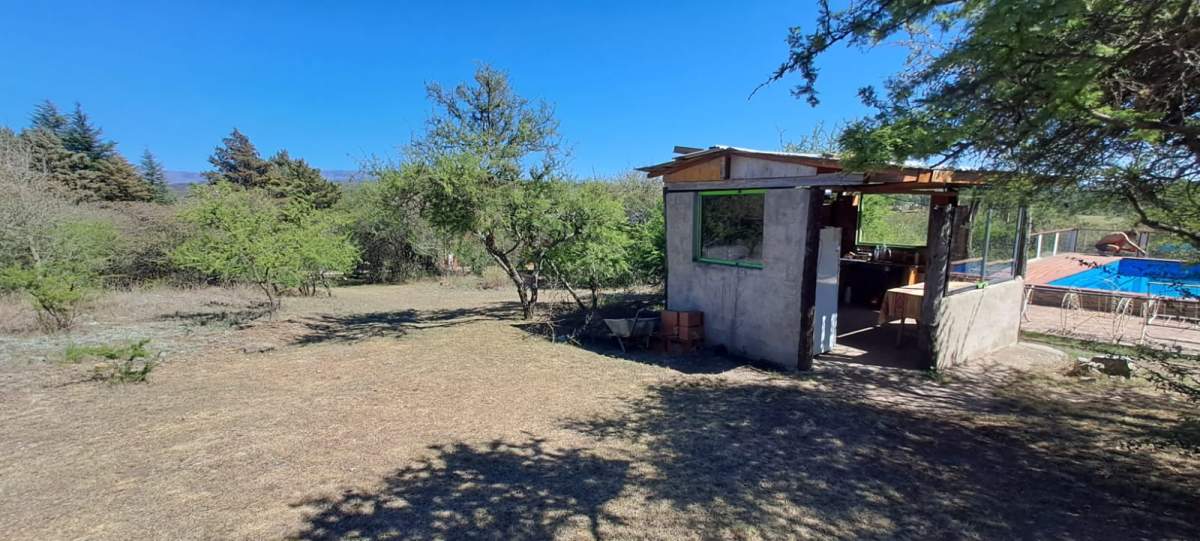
893,220
729,228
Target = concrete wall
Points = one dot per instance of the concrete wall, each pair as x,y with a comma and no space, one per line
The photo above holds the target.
754,313
979,321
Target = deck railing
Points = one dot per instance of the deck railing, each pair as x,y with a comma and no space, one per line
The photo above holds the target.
1078,240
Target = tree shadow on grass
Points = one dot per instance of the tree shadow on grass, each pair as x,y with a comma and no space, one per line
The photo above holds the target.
566,323
360,326
239,317
779,458
775,460
497,491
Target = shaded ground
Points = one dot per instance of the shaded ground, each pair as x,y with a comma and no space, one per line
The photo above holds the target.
417,412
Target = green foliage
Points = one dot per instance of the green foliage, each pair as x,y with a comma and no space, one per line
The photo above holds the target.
76,353
295,179
397,243
155,177
72,152
598,255
246,236
647,252
1099,95
81,137
484,168
237,162
126,363
47,117
56,294
893,219
60,277
322,248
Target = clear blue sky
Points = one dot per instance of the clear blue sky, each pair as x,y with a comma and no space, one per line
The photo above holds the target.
335,82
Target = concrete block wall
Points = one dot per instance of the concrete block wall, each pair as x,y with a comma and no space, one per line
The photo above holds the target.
979,321
754,313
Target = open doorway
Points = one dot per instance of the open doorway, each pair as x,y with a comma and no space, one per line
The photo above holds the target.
880,271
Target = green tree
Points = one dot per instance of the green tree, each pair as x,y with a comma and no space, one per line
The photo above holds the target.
111,179
397,243
293,178
1100,94
598,255
46,116
80,136
322,246
72,152
642,200
247,236
485,168
154,176
237,162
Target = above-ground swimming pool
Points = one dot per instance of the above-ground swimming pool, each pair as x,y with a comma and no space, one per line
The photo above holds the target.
1156,277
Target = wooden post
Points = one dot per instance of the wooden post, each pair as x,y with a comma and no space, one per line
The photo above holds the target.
808,278
1022,248
937,272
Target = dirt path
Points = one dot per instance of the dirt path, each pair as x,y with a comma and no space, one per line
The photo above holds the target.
413,412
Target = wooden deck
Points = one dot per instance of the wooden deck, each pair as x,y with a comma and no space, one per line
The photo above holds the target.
1047,269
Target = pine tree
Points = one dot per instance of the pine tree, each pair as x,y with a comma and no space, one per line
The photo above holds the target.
238,162
71,151
155,177
295,179
47,117
81,136
115,179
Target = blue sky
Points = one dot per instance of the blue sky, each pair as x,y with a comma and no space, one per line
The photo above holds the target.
336,82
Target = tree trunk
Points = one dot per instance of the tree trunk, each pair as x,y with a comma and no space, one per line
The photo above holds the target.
571,290
523,290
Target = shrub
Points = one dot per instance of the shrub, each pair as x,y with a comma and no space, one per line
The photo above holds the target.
127,363
60,276
243,235
396,242
56,295
151,231
648,250
51,250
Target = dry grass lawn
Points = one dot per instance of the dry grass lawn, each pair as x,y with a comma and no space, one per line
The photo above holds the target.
419,411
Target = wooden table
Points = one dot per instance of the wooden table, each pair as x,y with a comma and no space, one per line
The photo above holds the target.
906,302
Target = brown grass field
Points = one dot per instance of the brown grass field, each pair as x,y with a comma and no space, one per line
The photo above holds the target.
422,412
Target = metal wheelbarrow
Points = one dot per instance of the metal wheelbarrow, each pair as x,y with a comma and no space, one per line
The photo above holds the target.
634,327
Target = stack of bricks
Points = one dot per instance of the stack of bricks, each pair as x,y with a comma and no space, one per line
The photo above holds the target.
683,328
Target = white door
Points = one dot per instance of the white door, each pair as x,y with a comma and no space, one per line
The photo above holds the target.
826,306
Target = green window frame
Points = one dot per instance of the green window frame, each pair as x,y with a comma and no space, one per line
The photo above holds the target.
697,229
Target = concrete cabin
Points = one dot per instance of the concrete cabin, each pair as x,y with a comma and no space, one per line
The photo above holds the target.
790,258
